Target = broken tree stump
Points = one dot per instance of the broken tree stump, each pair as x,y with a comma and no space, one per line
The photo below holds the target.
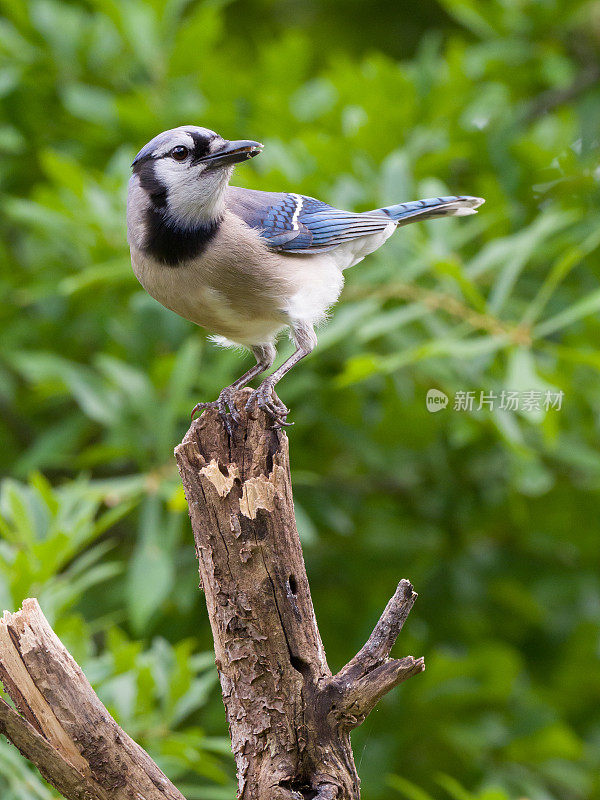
289,717
60,724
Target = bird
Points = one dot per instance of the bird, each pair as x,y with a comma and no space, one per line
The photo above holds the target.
247,264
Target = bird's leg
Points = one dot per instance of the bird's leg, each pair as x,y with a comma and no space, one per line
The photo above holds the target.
265,396
265,355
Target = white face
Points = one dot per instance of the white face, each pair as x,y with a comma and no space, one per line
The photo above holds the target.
184,173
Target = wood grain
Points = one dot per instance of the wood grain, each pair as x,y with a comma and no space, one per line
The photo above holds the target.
62,727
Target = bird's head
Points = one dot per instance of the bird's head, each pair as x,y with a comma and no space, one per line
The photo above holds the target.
184,172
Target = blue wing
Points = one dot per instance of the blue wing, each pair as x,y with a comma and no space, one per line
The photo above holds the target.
296,223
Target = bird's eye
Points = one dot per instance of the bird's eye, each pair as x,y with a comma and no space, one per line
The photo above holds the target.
179,153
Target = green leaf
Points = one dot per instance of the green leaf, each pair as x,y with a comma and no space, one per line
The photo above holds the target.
578,310
151,571
90,103
407,789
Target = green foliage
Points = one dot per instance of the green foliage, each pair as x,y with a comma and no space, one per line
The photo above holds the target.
492,514
50,550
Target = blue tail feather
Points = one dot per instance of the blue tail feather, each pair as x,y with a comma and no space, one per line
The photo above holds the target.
456,205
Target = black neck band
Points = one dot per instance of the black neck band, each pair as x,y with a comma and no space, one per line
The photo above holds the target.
170,244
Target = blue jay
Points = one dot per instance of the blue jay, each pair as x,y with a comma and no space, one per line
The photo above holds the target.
246,264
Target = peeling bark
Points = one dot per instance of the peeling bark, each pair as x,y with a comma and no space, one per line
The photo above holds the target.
289,717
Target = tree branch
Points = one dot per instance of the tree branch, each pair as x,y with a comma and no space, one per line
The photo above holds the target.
371,673
52,765
553,98
380,642
361,696
62,727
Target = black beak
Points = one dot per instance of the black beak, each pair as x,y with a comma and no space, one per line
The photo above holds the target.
233,153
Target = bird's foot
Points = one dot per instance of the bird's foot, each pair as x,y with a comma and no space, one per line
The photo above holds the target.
225,405
267,400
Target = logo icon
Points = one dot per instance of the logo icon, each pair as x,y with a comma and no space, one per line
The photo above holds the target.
436,400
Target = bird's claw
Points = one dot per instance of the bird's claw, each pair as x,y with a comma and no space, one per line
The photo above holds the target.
265,397
225,405
267,400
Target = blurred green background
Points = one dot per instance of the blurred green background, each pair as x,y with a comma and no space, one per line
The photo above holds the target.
494,515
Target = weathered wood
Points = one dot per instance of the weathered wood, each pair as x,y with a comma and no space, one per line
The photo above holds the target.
289,717
62,727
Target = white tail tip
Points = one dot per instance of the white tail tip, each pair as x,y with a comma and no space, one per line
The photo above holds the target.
466,206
